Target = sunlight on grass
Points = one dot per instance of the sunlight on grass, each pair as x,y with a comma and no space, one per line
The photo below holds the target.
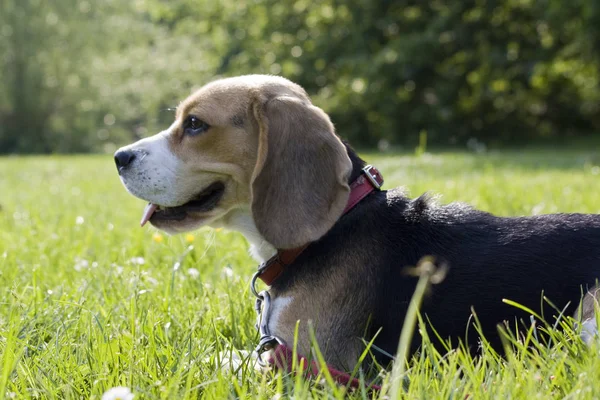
91,301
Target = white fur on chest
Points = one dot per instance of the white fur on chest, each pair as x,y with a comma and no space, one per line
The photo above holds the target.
278,306
241,220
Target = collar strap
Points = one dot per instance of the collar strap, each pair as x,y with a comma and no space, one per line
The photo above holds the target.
370,180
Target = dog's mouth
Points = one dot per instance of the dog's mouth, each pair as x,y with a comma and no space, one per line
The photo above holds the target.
205,201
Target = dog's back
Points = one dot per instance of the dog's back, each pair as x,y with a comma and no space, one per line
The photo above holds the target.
489,259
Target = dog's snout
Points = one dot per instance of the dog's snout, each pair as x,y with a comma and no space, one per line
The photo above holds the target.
123,158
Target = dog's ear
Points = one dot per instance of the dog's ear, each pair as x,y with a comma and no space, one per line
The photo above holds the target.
300,181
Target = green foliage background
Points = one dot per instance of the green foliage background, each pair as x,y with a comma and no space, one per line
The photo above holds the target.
79,75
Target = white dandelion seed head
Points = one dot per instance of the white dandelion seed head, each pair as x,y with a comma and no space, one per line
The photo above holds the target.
81,264
138,260
118,269
118,393
193,273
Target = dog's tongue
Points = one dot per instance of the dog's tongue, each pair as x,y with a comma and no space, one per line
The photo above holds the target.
148,211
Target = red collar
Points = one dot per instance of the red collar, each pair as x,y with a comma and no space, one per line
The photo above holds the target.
368,181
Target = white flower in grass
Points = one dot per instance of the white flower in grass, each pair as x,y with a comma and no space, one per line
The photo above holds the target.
118,393
227,271
137,260
81,264
193,273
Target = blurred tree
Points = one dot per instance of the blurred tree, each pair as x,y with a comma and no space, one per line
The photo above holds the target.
81,75
501,71
42,82
78,76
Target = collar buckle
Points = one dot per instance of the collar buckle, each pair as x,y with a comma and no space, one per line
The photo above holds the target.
373,175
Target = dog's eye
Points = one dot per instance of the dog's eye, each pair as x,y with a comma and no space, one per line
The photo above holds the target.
194,126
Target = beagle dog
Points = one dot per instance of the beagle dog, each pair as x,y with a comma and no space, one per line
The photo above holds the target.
253,154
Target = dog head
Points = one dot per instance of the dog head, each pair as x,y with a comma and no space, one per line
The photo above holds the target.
251,143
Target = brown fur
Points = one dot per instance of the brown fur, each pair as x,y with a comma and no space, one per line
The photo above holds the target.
336,305
295,133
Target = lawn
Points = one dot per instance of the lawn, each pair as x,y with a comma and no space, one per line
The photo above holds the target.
91,301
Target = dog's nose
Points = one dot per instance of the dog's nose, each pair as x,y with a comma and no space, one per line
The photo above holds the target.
123,158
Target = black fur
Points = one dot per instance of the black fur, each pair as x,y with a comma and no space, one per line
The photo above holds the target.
489,258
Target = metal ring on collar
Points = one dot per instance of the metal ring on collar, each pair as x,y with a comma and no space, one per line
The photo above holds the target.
253,284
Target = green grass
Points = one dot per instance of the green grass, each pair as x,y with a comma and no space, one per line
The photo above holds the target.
90,301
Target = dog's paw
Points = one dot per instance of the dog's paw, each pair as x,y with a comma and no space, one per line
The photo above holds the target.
235,359
235,362
589,331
